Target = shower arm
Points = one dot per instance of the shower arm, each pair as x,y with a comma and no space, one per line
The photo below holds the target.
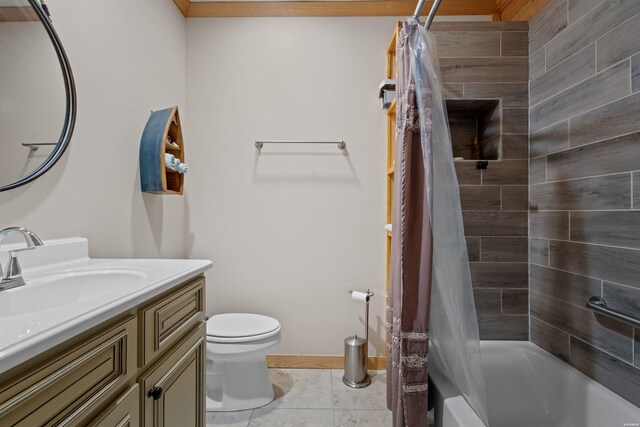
432,12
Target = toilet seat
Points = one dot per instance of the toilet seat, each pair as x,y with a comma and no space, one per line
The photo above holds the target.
241,327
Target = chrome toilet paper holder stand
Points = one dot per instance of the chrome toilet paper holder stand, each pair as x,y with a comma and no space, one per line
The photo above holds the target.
356,353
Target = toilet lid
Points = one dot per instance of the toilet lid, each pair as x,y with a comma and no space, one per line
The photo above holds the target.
236,325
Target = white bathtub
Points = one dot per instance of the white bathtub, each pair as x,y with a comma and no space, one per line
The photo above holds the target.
528,387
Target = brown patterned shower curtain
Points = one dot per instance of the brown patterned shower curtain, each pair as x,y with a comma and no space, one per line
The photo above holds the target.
409,297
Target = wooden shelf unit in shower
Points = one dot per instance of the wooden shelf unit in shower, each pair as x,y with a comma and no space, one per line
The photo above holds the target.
391,143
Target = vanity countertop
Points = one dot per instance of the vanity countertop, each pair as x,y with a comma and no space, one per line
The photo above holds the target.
68,293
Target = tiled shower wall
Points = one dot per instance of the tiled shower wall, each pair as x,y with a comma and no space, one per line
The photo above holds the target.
489,60
585,185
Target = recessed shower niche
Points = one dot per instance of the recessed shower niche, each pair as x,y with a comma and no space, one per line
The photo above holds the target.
475,125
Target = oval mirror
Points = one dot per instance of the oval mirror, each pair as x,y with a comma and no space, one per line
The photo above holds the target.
37,93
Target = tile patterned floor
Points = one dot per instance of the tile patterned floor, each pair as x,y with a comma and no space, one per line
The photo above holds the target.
314,398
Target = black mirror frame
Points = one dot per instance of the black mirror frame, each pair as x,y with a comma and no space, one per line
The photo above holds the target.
71,105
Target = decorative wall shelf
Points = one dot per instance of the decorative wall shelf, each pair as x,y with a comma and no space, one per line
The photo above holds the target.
162,135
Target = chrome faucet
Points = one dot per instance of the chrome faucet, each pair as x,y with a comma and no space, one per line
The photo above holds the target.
12,277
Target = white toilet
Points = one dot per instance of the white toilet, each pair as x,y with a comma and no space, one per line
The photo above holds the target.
237,374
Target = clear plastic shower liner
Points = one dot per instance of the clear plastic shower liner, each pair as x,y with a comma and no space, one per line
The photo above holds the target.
454,338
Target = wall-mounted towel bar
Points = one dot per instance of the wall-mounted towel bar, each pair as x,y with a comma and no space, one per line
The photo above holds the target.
341,144
599,305
33,146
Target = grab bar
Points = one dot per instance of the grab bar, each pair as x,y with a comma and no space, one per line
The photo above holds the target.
341,144
599,305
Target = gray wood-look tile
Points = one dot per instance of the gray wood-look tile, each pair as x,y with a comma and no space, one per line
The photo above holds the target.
515,301
515,146
480,198
569,287
576,68
550,139
489,223
515,120
548,27
491,148
553,340
538,251
608,334
622,298
499,275
619,44
605,87
483,70
598,193
515,198
594,24
515,43
636,347
473,248
614,119
453,90
488,301
503,249
549,225
538,170
537,64
480,26
504,327
614,228
467,173
458,44
545,11
577,8
636,190
489,123
513,95
506,172
620,377
617,265
635,73
463,124
621,154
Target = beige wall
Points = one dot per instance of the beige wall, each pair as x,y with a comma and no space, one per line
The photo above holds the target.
292,229
32,105
126,61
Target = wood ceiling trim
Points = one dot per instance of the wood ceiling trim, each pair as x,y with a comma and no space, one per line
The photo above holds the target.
505,10
183,5
18,14
336,8
520,10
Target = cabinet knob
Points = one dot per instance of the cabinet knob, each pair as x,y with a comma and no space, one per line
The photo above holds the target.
155,392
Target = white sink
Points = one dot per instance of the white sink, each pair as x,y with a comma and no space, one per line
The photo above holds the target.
51,291
67,293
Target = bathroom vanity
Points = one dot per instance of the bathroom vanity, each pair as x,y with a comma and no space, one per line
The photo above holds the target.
103,342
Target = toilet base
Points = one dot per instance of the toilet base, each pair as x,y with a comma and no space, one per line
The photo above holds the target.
235,386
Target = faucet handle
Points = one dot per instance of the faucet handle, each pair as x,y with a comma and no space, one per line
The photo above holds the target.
13,269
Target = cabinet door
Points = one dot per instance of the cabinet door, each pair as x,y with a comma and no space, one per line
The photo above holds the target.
165,322
64,390
124,412
173,390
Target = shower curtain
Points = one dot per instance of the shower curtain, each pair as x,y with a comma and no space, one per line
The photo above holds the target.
431,297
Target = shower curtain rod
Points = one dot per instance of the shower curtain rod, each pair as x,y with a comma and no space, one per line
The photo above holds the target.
432,13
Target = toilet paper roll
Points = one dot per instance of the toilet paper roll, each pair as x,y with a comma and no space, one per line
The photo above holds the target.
360,296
